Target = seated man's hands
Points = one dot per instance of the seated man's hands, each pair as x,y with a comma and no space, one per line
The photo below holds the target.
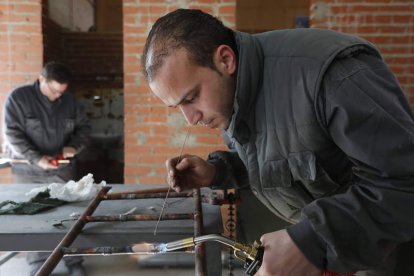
69,152
46,164
283,258
189,172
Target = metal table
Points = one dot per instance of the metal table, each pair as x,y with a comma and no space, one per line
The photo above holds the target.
37,233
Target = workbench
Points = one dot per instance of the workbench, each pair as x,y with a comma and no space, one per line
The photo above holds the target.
37,233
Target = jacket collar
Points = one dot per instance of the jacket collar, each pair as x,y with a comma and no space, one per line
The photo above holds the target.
43,99
249,82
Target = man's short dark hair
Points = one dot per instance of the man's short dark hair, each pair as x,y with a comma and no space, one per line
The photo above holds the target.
56,71
197,32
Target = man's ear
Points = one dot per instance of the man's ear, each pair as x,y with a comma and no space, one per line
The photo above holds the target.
225,59
41,78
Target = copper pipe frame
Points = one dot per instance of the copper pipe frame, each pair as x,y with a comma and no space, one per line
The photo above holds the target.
67,240
200,255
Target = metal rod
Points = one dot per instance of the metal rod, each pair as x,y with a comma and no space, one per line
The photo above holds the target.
200,249
169,187
57,254
138,217
162,210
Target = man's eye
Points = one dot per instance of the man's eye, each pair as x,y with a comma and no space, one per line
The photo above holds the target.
190,100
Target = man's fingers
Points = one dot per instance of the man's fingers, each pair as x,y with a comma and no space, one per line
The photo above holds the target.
172,181
183,164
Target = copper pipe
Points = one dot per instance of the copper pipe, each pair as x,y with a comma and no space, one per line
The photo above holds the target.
139,192
67,240
138,217
102,250
200,249
146,195
138,248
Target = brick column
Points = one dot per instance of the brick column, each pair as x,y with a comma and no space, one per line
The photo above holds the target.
387,24
154,133
21,49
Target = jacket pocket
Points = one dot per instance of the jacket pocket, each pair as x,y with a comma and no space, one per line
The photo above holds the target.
68,126
306,170
277,183
34,130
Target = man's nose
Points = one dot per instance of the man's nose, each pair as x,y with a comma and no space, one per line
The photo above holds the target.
191,115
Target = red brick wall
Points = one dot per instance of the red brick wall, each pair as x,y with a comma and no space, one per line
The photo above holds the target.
20,49
388,24
95,59
153,132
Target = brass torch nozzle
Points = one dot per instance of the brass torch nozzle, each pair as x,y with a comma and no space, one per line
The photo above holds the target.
175,245
242,251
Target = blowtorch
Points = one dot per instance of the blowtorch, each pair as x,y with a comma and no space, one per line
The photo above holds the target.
250,254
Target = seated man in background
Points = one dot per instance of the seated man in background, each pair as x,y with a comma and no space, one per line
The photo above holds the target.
43,122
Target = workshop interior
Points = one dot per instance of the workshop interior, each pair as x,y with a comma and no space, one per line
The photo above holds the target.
133,133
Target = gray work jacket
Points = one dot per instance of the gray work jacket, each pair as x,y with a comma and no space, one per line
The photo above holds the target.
325,141
34,126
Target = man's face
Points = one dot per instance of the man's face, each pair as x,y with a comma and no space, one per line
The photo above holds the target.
205,96
52,89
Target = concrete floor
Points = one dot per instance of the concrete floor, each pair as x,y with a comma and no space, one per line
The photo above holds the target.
106,266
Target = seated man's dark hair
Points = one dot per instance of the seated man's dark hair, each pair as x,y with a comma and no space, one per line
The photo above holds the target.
56,71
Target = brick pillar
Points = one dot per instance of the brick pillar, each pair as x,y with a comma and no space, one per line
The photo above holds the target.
153,132
21,49
387,24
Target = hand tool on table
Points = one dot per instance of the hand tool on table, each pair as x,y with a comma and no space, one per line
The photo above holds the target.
59,159
7,161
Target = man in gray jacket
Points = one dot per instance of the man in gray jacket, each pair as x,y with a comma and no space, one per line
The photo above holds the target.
42,123
323,133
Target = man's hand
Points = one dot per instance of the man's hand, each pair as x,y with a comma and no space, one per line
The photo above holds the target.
283,258
45,163
189,172
68,152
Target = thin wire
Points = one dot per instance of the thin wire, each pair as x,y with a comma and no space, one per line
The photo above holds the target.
169,187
